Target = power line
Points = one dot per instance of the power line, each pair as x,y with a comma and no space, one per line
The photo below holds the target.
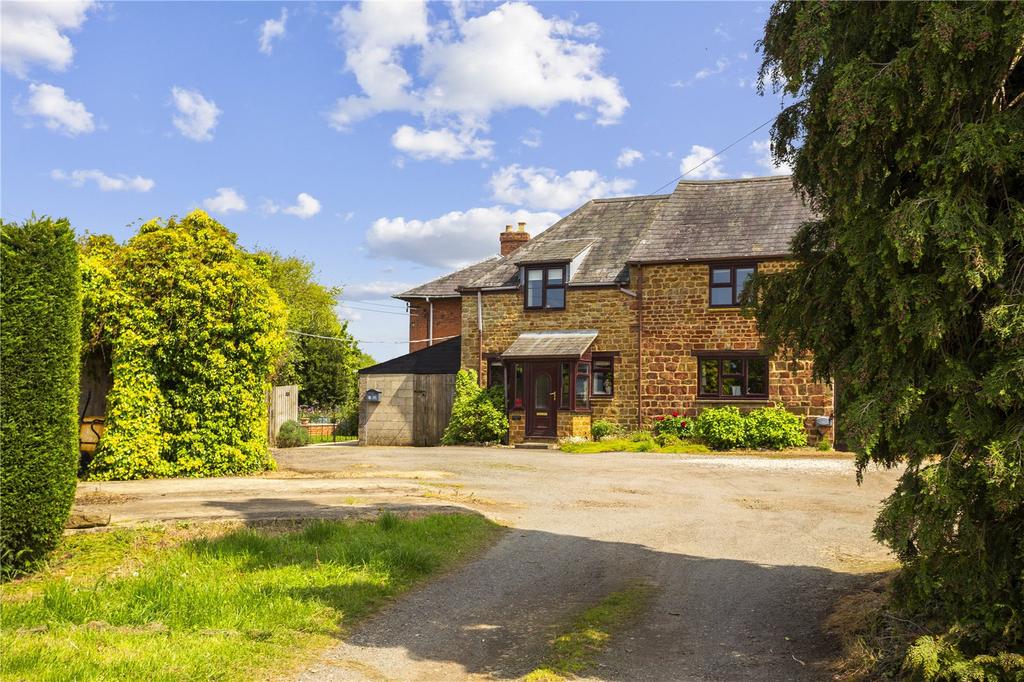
716,155
341,338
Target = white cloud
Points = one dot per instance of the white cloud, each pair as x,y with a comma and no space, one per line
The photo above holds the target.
197,116
627,157
35,33
532,138
543,188
699,164
720,66
227,200
272,29
763,149
452,240
305,206
372,291
106,183
444,144
510,57
59,112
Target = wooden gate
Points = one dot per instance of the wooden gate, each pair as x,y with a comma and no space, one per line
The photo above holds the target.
282,405
433,395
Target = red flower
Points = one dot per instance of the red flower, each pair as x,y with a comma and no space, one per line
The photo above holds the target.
675,414
658,418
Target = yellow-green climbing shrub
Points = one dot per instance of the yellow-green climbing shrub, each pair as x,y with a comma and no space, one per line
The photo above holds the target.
192,328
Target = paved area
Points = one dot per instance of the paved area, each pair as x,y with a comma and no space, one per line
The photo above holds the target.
746,554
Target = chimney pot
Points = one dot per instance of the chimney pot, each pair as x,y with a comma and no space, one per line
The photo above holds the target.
512,240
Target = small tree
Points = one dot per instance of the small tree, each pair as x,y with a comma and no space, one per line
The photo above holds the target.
478,415
40,317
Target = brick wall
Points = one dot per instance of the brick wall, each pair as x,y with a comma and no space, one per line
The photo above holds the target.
447,321
678,323
608,310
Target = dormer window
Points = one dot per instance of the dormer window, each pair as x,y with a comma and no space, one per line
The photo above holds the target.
726,283
544,287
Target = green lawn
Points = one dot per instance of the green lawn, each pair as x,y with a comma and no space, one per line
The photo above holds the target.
214,602
628,445
332,439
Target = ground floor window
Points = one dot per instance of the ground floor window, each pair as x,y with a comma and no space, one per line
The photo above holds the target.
495,373
604,368
582,385
733,376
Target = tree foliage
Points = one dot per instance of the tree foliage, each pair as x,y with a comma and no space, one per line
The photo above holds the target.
324,368
193,330
40,314
907,137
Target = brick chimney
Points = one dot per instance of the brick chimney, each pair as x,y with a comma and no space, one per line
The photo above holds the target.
512,240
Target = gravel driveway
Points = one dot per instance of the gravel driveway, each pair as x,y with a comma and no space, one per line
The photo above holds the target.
746,554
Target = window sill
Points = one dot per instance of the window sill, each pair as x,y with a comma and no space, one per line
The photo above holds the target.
725,308
738,399
602,397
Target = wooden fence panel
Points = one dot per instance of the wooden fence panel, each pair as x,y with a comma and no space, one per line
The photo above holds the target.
432,407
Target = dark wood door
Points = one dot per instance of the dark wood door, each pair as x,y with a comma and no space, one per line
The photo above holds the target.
541,399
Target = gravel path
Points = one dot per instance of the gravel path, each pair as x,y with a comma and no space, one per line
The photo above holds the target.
746,554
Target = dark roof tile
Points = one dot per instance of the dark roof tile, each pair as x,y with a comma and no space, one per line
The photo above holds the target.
755,217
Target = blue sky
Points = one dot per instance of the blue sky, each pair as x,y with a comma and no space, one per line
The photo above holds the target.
386,142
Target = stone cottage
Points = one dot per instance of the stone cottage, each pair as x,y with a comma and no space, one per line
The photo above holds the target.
627,310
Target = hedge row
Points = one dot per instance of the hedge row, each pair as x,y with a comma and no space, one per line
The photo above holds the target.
40,338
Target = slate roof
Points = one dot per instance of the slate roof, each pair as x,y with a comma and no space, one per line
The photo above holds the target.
755,217
441,358
611,227
447,286
554,344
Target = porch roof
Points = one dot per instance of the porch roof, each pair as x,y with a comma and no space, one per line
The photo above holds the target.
553,344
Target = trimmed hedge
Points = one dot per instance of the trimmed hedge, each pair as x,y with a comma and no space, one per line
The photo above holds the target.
40,338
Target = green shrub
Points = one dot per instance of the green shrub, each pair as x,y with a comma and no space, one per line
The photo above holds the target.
674,424
292,435
193,329
720,428
824,445
939,659
602,428
40,338
668,440
774,428
478,415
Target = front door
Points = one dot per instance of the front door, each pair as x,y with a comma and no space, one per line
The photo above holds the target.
542,399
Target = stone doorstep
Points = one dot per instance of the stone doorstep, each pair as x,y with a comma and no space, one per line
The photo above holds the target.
531,445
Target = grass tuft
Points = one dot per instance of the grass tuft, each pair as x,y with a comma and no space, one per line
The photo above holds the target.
631,445
216,602
574,650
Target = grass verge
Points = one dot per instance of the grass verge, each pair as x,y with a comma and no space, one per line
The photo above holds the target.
216,601
628,445
574,651
314,440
